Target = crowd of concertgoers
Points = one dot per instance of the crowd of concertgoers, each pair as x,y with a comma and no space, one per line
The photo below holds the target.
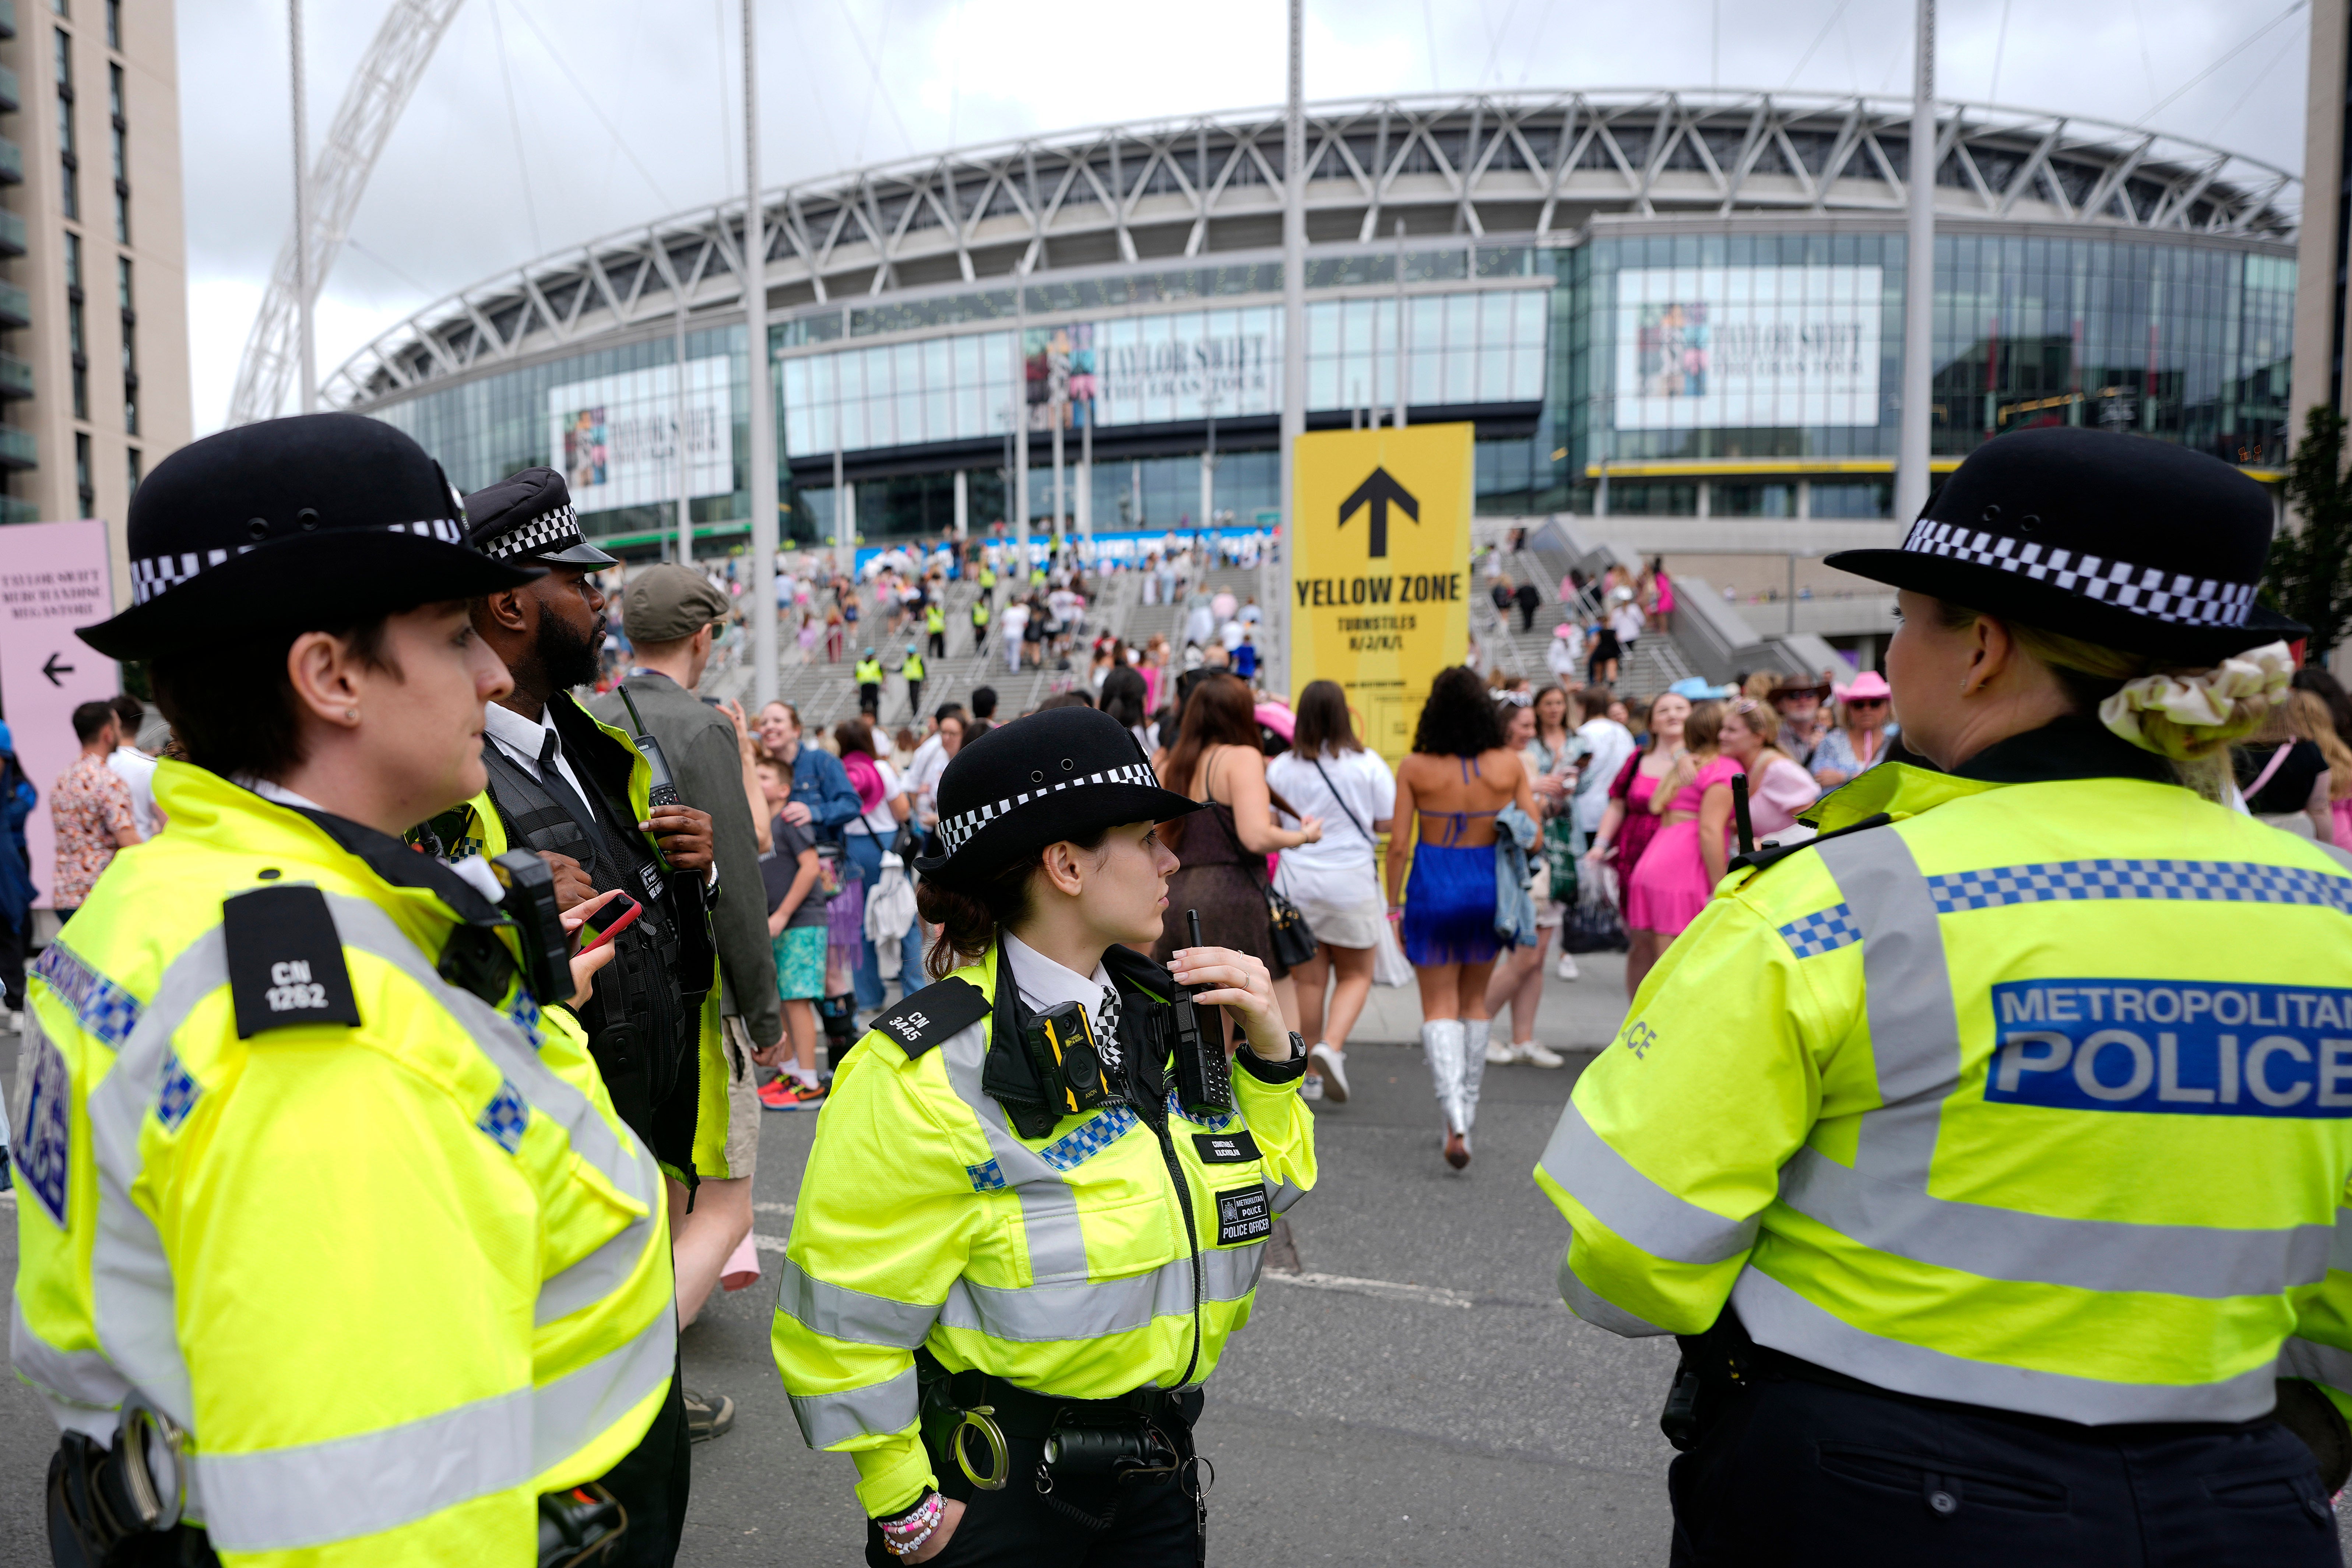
1612,816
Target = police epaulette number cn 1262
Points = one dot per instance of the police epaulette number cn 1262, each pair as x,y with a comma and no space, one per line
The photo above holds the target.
1021,1243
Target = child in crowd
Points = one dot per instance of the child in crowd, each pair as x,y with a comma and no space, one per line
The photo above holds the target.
796,927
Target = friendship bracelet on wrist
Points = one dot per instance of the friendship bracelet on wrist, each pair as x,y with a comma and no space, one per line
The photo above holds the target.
904,1535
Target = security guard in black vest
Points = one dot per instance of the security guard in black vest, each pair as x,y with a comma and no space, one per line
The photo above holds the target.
574,790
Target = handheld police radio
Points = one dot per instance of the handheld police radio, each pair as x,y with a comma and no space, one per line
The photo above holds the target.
662,789
1204,1081
530,903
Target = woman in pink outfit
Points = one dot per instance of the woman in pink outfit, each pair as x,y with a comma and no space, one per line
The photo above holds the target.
1778,788
1691,849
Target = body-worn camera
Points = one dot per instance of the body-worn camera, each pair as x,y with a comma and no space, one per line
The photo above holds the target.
1069,1061
530,903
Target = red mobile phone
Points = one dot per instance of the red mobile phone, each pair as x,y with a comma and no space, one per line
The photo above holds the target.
608,922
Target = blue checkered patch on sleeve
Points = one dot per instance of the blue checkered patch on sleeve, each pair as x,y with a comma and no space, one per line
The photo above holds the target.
179,1094
1825,931
987,1177
106,1011
1082,1144
504,1116
2215,882
1215,1122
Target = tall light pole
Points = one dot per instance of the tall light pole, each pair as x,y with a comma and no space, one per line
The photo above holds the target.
303,286
763,414
1918,281
1294,345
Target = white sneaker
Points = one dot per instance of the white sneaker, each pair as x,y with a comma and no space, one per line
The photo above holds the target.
1567,970
1333,1065
1310,1088
1541,1056
1500,1054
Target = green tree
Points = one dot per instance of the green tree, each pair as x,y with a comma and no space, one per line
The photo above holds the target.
2309,574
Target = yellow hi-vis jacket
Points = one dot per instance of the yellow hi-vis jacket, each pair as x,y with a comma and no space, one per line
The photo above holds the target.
2039,1099
935,618
1059,1264
484,833
395,1278
869,672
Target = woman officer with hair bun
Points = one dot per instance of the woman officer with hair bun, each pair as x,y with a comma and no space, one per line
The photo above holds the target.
2001,1225
1039,1194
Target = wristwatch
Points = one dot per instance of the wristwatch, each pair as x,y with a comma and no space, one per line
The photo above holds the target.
1288,1070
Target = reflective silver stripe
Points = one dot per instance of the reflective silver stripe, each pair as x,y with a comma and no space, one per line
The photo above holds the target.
581,1404
2338,853
279,1500
1882,1201
1282,1194
1914,1031
2339,1245
840,1313
2321,1363
2203,1261
877,1410
1587,1304
631,1170
73,1377
131,1297
1776,1316
1049,1205
1636,1207
1040,1314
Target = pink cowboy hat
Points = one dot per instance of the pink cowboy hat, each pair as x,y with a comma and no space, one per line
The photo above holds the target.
1868,684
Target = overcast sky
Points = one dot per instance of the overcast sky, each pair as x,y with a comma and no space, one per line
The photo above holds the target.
512,145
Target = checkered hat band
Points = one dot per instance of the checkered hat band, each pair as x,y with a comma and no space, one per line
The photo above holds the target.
547,535
2148,591
957,831
151,576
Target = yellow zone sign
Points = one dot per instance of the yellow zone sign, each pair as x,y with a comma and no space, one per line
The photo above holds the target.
1380,572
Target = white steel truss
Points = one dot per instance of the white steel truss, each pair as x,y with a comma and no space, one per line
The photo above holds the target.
380,89
1527,164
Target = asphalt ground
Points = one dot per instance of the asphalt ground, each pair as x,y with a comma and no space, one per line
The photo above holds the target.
1415,1394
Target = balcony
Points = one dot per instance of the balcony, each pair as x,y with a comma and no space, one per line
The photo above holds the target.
12,232
15,377
12,510
11,100
17,448
12,162
15,307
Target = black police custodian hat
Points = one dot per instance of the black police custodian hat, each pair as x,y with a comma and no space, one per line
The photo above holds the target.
2124,540
528,517
286,524
1068,772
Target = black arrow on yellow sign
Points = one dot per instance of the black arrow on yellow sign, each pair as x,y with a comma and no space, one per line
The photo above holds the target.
1378,492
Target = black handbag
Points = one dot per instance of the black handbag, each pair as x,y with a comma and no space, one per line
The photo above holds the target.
1293,939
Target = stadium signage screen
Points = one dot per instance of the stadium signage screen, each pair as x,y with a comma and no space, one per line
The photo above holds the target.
1748,347
614,438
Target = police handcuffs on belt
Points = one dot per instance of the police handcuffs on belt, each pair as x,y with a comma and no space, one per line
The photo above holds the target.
1039,1194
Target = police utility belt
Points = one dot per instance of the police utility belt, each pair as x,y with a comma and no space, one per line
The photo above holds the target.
120,1506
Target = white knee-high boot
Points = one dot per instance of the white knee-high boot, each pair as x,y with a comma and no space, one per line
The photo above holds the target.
1473,1067
1440,1038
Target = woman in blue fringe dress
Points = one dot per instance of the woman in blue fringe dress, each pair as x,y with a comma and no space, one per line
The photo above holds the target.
1458,776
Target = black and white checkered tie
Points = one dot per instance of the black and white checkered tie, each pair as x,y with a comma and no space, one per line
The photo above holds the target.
1107,1029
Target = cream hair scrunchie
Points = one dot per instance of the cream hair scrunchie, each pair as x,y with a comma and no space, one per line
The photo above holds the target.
2241,688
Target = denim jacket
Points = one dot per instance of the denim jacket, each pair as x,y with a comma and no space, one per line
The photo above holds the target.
1515,910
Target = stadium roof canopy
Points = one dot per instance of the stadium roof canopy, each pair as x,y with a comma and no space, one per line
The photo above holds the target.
1540,163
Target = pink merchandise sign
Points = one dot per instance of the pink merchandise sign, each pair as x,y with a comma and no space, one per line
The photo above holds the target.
53,578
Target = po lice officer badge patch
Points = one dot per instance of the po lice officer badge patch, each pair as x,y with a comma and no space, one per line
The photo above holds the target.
1243,1214
285,961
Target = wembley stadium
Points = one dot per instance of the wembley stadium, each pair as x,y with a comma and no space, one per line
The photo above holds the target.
1650,303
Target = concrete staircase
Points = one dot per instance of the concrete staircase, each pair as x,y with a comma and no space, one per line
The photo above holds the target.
1656,662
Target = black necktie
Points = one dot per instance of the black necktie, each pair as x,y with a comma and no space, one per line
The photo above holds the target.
552,778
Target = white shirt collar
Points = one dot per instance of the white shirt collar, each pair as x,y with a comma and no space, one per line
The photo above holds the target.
517,733
1044,982
271,791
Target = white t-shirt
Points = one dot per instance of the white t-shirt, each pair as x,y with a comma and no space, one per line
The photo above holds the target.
1626,622
923,774
1359,779
137,769
879,821
1604,744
